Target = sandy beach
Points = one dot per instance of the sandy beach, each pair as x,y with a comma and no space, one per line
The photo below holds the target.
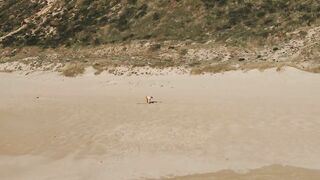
99,127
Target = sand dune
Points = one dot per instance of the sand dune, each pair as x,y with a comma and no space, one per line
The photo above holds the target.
98,127
274,172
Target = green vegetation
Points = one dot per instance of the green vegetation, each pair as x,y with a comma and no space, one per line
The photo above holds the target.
73,70
94,22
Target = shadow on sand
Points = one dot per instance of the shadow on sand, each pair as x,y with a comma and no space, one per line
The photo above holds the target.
152,102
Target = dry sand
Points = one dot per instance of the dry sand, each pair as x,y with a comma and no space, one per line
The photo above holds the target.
98,127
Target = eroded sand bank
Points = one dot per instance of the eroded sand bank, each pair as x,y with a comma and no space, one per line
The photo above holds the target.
98,127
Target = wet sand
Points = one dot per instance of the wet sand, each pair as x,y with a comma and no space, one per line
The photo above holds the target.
99,127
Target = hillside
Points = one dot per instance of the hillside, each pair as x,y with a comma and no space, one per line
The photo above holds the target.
194,34
61,22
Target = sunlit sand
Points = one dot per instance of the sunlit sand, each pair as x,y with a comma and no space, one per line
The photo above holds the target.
100,127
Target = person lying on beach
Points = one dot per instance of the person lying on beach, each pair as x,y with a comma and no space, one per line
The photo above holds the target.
149,99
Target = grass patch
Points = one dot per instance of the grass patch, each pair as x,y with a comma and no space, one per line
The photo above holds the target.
73,70
313,69
6,71
218,68
261,66
100,67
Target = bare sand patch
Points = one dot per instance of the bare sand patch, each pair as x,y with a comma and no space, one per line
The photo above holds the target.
98,127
